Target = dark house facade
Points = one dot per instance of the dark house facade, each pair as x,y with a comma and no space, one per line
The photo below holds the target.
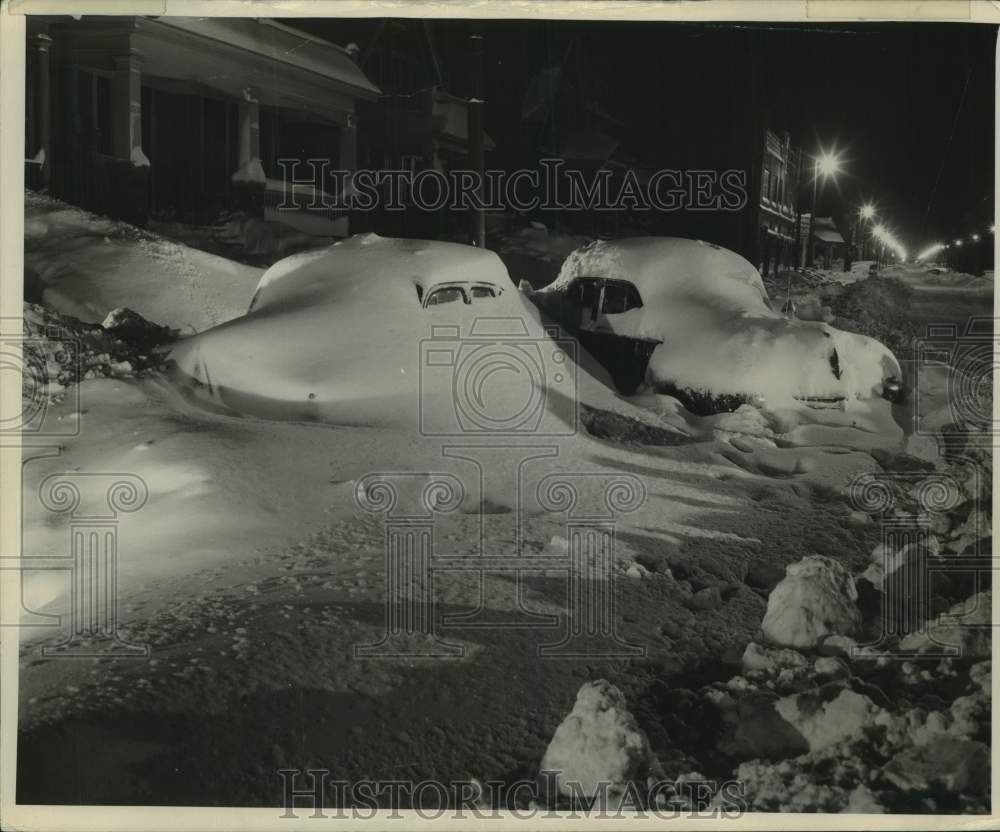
777,206
182,117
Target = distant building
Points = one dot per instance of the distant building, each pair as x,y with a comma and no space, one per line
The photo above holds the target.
827,241
780,174
182,116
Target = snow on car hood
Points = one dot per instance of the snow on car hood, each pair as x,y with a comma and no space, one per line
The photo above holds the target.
339,335
719,333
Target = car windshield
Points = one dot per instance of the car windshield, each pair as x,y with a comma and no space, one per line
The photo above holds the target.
477,292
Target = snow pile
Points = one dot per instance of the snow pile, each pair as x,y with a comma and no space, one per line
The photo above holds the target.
878,738
967,625
817,598
828,715
85,265
719,334
62,351
956,765
598,749
878,308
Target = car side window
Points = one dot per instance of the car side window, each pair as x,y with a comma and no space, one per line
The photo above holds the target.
619,297
446,294
586,293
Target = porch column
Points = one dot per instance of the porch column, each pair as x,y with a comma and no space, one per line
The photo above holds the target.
348,159
248,125
126,108
42,145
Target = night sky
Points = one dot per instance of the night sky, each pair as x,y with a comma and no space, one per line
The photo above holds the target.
910,106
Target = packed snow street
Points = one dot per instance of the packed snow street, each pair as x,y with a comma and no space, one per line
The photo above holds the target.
672,501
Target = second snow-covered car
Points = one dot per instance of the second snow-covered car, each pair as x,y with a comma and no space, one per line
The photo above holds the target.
693,319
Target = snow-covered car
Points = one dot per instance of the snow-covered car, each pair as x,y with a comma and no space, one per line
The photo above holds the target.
374,330
701,316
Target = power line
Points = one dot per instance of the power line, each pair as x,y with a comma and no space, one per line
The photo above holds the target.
951,136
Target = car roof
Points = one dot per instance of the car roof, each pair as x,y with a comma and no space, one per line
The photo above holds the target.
386,268
659,265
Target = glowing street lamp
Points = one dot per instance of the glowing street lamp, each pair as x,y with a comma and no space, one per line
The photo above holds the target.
975,238
993,229
827,165
865,214
958,242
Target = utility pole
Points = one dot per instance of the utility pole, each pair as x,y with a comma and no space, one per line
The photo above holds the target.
798,212
810,255
476,128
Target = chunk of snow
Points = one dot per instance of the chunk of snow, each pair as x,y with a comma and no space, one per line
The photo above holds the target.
599,748
817,598
825,721
138,158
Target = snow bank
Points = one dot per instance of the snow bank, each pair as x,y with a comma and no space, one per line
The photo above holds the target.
719,333
87,265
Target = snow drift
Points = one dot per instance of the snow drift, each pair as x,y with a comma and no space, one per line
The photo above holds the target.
719,333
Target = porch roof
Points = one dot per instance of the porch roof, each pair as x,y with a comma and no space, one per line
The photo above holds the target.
281,44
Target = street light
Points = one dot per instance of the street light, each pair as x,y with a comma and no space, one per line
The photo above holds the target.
827,165
975,238
865,214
